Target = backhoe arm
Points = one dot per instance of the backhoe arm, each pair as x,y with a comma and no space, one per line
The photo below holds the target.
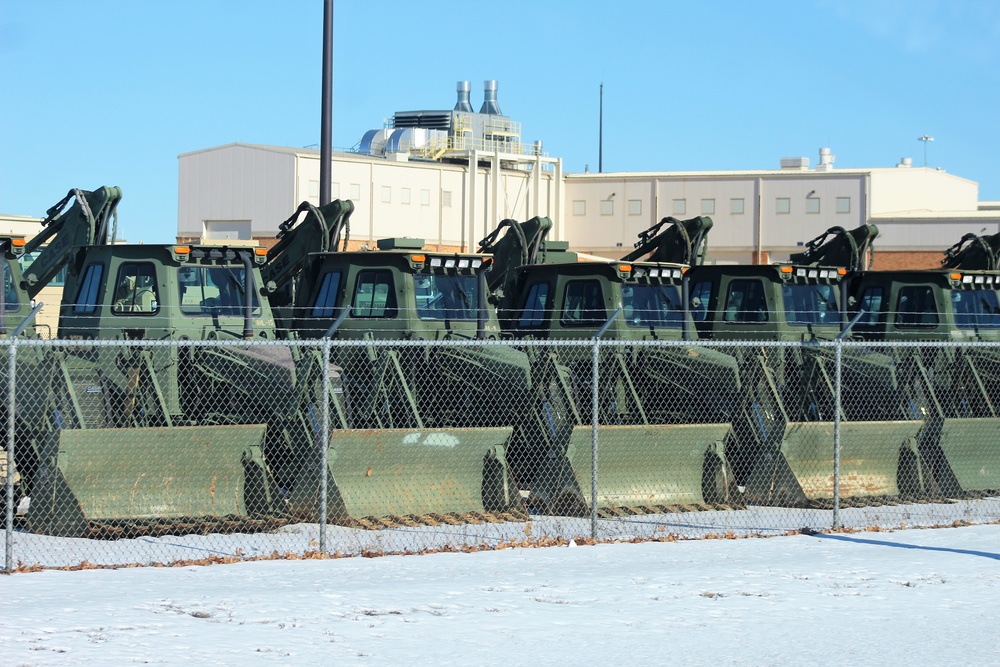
82,224
974,253
518,247
852,250
673,241
319,230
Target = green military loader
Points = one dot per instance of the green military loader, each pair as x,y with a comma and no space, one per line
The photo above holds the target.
145,419
783,450
419,431
951,390
663,413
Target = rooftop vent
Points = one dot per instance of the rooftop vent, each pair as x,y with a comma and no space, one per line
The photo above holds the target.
490,105
795,163
826,160
463,103
905,163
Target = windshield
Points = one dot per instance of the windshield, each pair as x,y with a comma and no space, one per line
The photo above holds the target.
213,290
977,309
811,304
446,297
9,289
652,306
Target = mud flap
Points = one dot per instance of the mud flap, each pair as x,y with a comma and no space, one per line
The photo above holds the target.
876,459
397,472
141,473
652,465
965,458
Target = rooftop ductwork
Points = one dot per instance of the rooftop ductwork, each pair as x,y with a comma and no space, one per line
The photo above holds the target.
490,105
463,103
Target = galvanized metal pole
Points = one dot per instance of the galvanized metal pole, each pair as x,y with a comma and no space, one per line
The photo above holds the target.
593,439
324,445
326,122
11,466
836,433
600,134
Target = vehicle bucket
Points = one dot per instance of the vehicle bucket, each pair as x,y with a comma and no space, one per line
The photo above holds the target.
966,458
647,465
400,472
876,459
94,475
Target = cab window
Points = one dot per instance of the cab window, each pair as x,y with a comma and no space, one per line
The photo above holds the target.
135,289
745,302
214,290
976,309
871,303
583,304
700,295
374,295
9,289
915,307
446,297
326,298
86,298
810,304
652,306
534,306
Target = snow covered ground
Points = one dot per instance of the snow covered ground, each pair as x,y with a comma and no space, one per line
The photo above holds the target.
923,597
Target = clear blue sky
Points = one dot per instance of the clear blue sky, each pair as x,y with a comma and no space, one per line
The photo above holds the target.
111,92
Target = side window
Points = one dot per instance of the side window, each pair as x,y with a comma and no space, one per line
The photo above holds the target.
745,302
86,299
326,300
915,307
583,304
534,306
135,289
871,303
374,295
700,295
9,291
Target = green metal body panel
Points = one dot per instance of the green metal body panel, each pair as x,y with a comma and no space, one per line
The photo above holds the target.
870,457
397,472
119,474
971,454
651,465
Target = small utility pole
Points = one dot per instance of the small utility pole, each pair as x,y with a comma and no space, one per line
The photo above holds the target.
326,123
600,134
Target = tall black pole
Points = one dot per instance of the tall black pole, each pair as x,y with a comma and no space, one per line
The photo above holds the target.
326,125
600,132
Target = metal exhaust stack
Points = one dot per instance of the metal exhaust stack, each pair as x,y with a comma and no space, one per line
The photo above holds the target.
490,105
463,104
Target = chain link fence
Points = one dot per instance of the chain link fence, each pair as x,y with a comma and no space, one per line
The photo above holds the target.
120,452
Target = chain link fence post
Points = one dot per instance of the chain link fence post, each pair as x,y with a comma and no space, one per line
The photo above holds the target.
595,358
838,357
11,466
324,446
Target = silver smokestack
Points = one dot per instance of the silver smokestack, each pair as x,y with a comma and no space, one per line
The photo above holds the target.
463,103
490,105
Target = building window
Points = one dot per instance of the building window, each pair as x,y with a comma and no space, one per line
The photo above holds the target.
607,207
446,198
386,194
680,206
425,197
355,192
736,206
708,207
335,190
843,204
782,205
635,207
314,188
812,204
404,195
579,207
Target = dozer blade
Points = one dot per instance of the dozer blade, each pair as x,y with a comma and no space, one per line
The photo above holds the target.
398,472
876,459
637,466
968,459
93,475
